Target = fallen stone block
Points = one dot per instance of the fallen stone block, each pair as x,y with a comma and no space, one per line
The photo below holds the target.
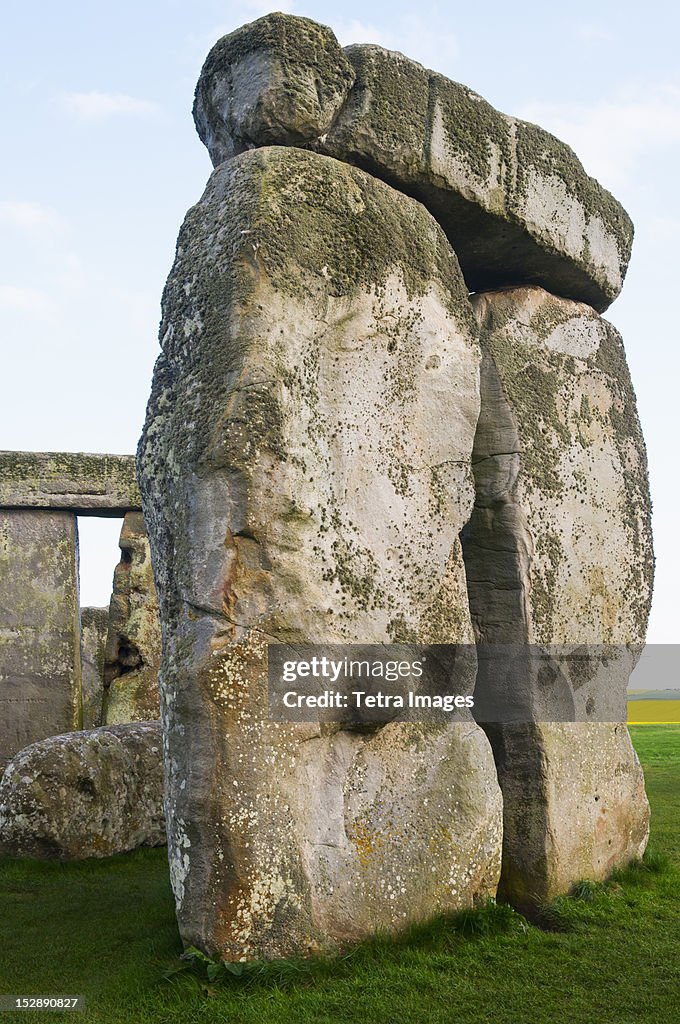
84,794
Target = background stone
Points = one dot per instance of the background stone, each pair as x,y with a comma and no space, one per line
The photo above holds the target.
40,668
133,645
94,625
100,485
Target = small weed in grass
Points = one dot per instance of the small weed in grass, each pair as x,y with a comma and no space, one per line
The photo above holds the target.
586,890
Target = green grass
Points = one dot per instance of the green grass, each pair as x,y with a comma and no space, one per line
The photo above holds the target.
609,954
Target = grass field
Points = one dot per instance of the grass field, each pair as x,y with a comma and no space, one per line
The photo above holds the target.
106,930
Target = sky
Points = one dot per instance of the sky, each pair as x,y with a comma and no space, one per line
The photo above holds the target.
101,161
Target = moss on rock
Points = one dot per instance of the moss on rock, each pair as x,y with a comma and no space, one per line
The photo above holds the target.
81,482
277,81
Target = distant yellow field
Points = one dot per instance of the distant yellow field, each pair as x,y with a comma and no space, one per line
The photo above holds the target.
657,711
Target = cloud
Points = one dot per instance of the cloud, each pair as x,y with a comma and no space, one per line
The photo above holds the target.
593,34
261,7
30,216
664,229
71,276
16,299
421,41
612,136
42,243
96,106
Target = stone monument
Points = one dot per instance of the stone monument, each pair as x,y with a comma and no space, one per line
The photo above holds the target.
330,414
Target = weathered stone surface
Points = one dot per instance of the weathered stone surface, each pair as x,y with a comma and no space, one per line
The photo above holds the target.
574,806
85,794
316,335
133,646
278,81
514,201
40,670
100,485
94,625
558,552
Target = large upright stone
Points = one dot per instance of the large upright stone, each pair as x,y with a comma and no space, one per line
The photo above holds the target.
133,645
558,552
40,667
298,485
515,202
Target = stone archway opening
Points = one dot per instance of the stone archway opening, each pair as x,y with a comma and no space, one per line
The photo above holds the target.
61,659
99,552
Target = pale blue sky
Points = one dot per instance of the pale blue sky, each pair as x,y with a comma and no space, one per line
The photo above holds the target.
101,160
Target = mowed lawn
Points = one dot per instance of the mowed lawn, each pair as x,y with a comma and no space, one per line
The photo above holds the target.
106,930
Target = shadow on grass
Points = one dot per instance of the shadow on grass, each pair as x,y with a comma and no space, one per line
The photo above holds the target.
441,935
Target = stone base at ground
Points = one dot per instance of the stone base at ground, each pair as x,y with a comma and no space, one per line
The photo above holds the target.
574,806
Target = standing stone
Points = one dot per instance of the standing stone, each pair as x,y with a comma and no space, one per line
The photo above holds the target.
559,552
133,646
94,625
298,485
40,668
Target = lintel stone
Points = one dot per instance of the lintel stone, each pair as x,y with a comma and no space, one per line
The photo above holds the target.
95,485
